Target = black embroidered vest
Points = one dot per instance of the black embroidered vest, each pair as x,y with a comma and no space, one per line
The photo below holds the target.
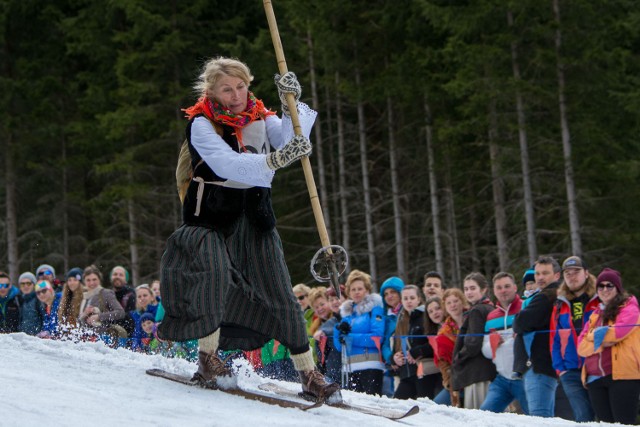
220,207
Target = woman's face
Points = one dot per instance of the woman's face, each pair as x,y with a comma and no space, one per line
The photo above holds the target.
231,93
155,287
73,283
391,297
92,281
435,312
472,291
357,291
335,302
45,295
453,305
322,308
606,292
410,299
144,297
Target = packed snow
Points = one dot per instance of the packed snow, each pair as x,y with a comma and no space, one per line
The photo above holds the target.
61,383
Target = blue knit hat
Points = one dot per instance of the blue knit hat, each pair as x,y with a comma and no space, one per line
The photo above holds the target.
393,282
147,316
529,276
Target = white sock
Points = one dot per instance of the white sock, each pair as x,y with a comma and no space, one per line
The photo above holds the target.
303,361
209,344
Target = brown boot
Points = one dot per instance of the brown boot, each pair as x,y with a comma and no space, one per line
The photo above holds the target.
314,384
213,373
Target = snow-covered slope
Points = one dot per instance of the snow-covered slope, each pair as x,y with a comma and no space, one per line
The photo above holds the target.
56,383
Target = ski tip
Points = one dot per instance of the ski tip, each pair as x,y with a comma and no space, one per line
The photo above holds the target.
154,371
413,411
335,398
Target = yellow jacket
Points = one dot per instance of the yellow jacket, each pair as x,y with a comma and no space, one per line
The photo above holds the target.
623,336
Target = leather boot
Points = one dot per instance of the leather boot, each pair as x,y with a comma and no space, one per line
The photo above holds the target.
213,372
314,384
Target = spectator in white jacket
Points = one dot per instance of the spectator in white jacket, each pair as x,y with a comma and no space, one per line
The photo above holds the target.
498,346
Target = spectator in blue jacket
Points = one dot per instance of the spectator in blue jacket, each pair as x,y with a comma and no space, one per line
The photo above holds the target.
142,340
390,291
50,300
9,305
577,300
359,335
30,306
145,303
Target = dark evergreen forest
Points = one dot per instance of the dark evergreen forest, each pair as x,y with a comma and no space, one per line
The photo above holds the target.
453,135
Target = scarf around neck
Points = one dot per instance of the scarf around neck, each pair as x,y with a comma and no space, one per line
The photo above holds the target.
215,112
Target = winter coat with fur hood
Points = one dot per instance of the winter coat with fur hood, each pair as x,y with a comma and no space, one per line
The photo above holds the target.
366,320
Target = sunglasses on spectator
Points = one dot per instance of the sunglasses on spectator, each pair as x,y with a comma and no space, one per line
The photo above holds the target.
42,292
25,283
301,297
5,285
606,285
45,272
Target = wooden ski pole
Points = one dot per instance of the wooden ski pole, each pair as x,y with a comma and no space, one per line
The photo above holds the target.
306,164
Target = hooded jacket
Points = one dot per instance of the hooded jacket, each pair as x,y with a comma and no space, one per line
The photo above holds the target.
10,311
625,352
534,318
469,365
562,319
390,316
366,320
30,314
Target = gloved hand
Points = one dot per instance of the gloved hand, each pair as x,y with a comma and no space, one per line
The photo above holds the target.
344,328
288,83
298,147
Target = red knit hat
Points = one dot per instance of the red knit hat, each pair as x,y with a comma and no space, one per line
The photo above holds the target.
610,275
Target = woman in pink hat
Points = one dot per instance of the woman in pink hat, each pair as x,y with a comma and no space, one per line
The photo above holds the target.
611,345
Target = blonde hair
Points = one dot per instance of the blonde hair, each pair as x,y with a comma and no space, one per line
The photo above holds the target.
215,68
301,288
415,288
316,294
211,72
145,287
358,275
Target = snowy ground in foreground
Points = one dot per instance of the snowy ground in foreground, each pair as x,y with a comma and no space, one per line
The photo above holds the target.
56,383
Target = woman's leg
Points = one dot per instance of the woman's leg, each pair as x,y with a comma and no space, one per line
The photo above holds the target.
367,381
406,389
623,399
599,395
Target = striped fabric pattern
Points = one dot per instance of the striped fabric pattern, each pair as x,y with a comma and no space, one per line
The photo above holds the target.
208,280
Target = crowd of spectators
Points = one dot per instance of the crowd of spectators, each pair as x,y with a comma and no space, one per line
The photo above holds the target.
567,343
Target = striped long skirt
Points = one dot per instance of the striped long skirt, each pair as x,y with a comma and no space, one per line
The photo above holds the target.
239,283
